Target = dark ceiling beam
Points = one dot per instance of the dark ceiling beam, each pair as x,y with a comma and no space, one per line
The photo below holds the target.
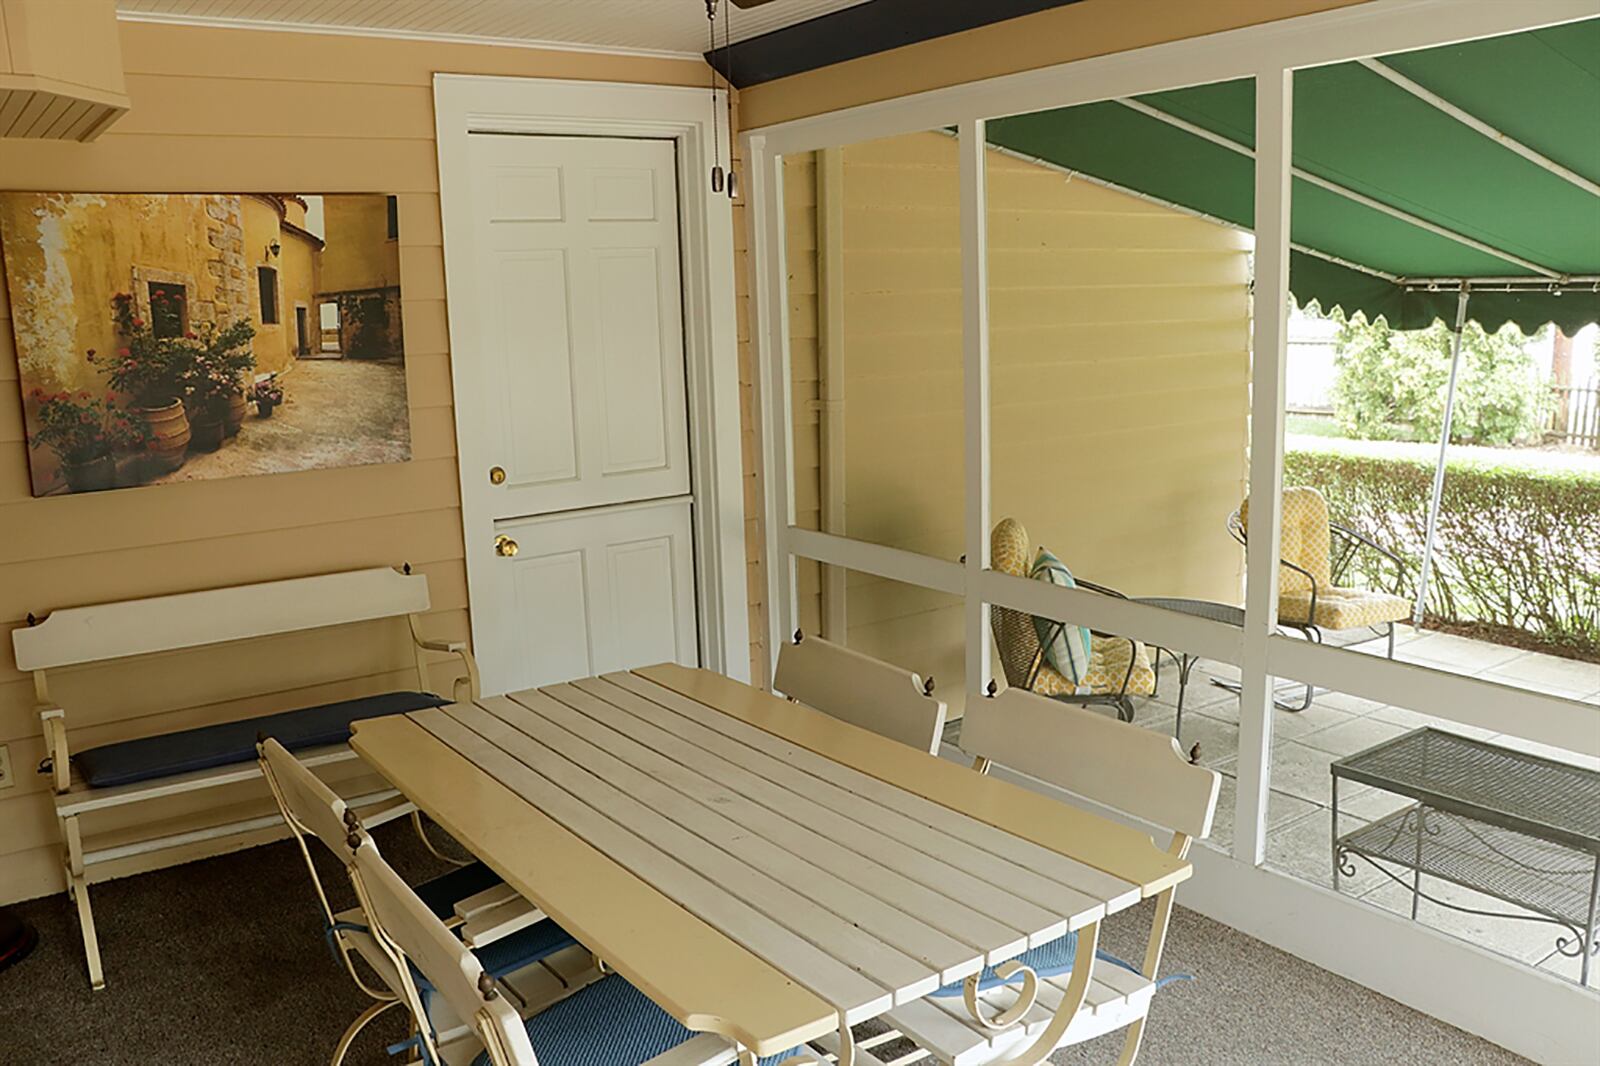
862,30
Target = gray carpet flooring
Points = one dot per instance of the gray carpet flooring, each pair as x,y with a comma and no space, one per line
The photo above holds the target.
223,961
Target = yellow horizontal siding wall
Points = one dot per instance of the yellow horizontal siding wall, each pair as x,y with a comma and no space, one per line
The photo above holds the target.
1119,368
237,111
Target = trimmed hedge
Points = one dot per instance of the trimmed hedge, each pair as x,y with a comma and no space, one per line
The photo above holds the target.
1516,548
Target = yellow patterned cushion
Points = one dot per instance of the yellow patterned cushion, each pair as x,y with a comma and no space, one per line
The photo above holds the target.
1008,548
1305,539
1339,608
1306,542
1108,665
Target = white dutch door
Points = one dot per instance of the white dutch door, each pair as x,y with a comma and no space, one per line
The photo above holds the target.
579,433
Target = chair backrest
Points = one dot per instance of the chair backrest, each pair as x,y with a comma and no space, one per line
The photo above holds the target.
307,803
1123,766
861,690
213,616
1305,538
1016,643
411,932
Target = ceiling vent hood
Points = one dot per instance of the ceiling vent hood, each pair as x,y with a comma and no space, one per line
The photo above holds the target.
60,69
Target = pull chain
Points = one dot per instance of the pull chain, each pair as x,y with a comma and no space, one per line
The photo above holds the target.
727,67
716,132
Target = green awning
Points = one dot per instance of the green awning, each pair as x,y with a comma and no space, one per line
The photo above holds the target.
1463,205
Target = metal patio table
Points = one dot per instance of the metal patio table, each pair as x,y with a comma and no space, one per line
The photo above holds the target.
1225,613
1519,827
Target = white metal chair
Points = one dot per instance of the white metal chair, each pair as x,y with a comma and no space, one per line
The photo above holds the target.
861,690
607,1023
1112,764
310,808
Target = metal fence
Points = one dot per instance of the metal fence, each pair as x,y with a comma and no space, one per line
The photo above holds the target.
1575,415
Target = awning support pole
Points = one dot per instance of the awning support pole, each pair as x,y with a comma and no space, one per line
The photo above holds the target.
1444,447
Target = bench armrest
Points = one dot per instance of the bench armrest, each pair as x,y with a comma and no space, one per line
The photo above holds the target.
57,759
457,648
452,646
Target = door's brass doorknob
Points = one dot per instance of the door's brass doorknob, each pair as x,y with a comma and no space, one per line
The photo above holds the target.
497,475
504,545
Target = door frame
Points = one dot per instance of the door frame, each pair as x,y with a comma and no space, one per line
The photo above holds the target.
467,104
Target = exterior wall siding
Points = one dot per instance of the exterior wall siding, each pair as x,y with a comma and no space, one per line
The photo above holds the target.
1119,370
239,111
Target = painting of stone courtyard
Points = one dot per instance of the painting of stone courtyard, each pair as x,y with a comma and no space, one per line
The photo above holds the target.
180,337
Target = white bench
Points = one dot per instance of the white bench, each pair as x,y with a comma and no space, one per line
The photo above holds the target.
111,631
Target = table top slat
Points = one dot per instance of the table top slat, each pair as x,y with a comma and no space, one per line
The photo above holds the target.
602,815
760,874
879,835
1023,867
729,990
1118,850
794,821
805,861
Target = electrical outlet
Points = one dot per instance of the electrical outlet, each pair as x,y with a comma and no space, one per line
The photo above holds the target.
6,780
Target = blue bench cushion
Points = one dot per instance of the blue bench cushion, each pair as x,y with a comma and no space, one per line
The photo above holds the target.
210,746
441,894
606,1024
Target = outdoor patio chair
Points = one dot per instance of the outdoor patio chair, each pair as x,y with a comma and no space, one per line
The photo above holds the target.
1118,668
1316,554
311,809
861,690
1079,992
604,1023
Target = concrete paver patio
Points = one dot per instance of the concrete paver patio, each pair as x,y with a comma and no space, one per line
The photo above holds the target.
1336,725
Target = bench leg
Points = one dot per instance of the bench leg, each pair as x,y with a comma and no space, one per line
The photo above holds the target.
78,889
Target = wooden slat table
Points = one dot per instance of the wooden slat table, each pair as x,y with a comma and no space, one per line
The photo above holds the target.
761,870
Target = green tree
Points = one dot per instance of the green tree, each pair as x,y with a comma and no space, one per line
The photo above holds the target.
1390,384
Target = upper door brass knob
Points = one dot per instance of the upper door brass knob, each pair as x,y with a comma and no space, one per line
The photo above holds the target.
504,545
497,475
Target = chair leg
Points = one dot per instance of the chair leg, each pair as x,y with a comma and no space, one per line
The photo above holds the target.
1391,640
1131,1042
422,835
356,1026
78,888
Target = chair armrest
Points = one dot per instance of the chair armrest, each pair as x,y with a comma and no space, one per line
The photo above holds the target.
1400,565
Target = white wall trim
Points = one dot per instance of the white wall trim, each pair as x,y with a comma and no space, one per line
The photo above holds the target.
166,18
464,104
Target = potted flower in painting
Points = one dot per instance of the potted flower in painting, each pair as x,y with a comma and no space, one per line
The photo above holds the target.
150,371
267,394
87,435
219,361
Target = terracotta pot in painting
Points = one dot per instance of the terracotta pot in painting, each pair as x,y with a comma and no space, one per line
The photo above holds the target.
238,406
133,468
207,436
170,428
92,476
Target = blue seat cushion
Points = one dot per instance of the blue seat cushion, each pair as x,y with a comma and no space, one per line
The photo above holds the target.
441,894
1047,960
608,1023
211,746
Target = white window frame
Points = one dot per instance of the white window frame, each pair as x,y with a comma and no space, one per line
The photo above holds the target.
465,104
1531,1012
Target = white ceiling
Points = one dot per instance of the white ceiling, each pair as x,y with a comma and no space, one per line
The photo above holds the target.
673,26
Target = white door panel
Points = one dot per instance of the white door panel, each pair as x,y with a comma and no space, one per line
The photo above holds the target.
582,323
592,592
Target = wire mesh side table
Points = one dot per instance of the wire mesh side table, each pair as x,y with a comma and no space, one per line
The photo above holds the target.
1519,827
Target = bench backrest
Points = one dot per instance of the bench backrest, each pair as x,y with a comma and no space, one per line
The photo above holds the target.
76,635
405,925
861,690
1123,766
